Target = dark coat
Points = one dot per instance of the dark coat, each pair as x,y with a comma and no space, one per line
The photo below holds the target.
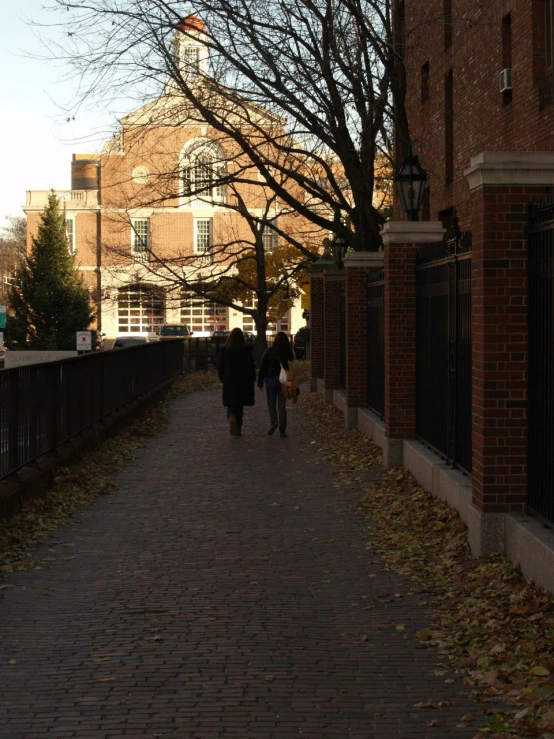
270,366
238,374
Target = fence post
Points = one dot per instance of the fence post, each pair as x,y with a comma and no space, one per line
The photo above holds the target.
357,265
401,240
501,184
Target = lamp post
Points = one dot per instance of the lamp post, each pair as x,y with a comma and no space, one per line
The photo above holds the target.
339,245
410,185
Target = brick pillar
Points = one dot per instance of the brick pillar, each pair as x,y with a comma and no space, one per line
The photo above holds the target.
402,239
316,322
502,184
333,282
357,266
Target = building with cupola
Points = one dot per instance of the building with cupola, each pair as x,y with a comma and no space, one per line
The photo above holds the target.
157,202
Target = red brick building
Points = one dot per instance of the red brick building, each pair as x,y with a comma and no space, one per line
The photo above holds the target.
455,52
155,204
449,360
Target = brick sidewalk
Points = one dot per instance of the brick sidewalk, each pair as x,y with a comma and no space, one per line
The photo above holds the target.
223,591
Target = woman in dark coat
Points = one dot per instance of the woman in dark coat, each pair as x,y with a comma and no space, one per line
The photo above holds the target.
277,356
238,374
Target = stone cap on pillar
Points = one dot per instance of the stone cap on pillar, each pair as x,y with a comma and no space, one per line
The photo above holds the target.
525,168
412,232
365,259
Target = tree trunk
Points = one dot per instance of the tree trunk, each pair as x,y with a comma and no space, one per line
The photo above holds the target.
367,225
260,345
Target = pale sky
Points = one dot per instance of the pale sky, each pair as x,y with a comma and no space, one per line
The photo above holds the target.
37,142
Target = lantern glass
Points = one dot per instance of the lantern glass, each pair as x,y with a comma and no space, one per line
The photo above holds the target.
410,184
339,246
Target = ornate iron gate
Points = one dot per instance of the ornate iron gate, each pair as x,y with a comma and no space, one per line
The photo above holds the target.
541,360
443,353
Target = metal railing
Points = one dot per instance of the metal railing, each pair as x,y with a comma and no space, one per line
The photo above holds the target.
375,323
44,405
541,360
443,348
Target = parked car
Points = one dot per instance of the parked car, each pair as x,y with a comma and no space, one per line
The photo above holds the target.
249,337
174,331
124,341
300,342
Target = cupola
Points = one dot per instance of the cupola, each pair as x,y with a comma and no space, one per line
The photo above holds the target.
190,49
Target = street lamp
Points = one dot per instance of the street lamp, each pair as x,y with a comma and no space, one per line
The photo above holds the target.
338,245
410,184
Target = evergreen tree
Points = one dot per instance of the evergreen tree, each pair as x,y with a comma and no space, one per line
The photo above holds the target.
50,302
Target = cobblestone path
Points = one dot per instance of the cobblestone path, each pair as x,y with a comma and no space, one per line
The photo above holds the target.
224,591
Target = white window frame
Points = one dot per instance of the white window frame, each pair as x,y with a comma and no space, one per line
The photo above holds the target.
141,255
270,237
248,323
140,311
202,155
201,314
205,257
197,222
70,235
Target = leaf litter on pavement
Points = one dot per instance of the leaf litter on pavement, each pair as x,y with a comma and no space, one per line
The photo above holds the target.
488,624
82,481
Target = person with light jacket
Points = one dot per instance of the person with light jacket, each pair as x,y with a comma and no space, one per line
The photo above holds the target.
276,356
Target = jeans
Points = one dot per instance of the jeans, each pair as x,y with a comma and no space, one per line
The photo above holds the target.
275,398
237,411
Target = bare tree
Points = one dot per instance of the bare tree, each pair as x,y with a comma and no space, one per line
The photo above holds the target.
304,88
252,262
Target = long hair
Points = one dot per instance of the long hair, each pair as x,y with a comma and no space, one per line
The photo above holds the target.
235,340
281,344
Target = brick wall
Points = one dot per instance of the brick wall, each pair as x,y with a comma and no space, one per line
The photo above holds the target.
483,118
332,286
86,239
356,335
400,340
499,337
33,222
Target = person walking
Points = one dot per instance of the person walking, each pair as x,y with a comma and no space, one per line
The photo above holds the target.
237,372
277,356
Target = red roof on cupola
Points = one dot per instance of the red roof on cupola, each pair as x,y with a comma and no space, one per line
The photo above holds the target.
191,23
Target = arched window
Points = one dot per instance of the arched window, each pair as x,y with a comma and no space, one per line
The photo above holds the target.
203,171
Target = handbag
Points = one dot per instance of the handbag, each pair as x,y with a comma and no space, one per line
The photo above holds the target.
283,377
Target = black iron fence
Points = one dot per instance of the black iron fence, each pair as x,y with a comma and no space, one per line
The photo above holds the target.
375,292
342,338
443,353
541,360
45,405
201,352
